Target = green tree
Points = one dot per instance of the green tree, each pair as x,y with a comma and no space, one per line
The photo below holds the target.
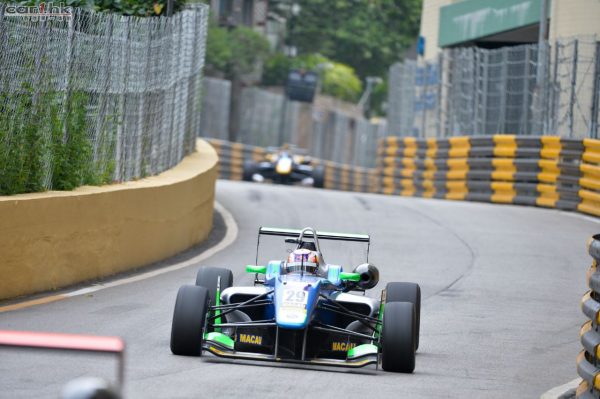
367,35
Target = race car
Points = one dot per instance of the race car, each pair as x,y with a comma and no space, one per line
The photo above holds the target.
300,310
284,167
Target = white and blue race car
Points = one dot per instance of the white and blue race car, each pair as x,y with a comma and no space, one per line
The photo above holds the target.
300,310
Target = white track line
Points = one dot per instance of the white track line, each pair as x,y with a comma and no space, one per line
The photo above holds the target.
230,236
558,392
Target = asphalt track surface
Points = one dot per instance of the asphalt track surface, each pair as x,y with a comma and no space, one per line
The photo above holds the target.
500,316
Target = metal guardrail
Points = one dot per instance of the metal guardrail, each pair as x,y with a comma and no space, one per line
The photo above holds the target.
543,171
337,176
588,360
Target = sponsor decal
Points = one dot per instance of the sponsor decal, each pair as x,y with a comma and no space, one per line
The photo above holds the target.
342,346
250,339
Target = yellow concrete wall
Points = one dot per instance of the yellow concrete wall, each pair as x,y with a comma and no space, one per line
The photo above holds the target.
570,18
55,239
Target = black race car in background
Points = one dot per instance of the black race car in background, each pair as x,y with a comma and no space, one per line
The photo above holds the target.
283,167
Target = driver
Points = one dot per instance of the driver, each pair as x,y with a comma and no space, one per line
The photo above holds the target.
303,260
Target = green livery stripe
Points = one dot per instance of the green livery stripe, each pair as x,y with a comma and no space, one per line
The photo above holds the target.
362,350
220,339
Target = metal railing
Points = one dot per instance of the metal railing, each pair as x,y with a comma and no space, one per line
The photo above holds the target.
129,86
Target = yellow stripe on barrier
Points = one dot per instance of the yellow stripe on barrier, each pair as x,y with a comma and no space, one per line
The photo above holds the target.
456,164
431,148
591,270
589,195
457,175
502,175
459,147
547,200
589,183
588,169
547,177
505,145
591,207
549,165
551,147
457,190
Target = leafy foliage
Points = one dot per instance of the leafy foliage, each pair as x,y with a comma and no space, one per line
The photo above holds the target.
140,8
40,133
337,80
367,35
234,52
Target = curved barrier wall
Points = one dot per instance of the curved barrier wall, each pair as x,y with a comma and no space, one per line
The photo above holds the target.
337,176
543,171
588,361
55,239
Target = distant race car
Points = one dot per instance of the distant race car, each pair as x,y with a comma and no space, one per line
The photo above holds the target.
301,311
284,167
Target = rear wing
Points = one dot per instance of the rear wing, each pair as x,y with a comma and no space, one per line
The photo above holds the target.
71,342
321,235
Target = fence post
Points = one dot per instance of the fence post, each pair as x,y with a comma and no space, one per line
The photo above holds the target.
595,94
573,86
439,93
525,108
552,113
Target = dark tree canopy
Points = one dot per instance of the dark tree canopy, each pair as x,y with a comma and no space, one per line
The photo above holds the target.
368,35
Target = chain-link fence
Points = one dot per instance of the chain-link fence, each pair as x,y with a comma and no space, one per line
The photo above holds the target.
128,88
472,90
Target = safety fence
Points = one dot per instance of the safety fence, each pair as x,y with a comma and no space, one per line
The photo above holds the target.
337,176
588,360
545,171
330,129
523,90
92,98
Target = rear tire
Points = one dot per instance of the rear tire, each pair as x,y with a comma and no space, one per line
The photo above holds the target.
208,276
406,292
398,337
191,306
319,176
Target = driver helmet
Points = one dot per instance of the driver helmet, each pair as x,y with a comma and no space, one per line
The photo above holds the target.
303,260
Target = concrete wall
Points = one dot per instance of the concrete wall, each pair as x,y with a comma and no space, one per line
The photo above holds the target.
574,18
55,239
430,25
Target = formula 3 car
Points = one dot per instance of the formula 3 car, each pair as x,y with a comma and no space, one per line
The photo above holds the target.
300,310
281,166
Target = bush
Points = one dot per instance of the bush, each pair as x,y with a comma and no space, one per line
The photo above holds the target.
43,143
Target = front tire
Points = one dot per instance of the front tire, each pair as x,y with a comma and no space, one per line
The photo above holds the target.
208,277
191,306
398,337
319,176
406,292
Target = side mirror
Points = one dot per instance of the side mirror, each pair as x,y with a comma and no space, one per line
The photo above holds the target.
369,275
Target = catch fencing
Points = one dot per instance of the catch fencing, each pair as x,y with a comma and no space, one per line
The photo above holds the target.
128,87
475,91
267,119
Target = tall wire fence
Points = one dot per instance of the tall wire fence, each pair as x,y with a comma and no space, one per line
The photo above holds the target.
267,119
471,90
128,87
